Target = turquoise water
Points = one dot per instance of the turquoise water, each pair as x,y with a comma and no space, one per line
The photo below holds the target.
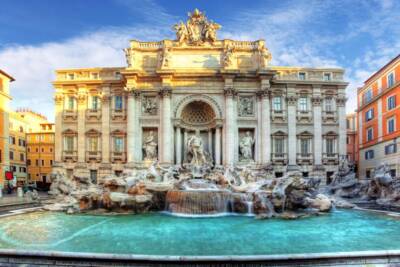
160,234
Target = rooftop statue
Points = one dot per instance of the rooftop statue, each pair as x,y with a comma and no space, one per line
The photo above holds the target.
197,29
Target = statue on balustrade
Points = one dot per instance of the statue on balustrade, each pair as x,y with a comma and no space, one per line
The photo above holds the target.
246,147
150,147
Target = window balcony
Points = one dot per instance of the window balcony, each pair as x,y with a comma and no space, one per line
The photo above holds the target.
304,115
278,115
71,114
93,156
118,157
279,158
70,155
118,114
330,158
304,158
329,116
93,114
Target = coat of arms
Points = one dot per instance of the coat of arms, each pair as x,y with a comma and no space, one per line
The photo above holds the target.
197,29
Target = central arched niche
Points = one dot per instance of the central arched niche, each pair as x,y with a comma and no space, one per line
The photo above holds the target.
198,113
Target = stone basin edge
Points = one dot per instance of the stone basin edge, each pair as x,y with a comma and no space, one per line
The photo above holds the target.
141,257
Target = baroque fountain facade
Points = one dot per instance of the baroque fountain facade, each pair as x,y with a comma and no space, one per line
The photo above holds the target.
198,120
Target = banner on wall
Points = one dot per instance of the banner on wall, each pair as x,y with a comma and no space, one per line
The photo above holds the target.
9,175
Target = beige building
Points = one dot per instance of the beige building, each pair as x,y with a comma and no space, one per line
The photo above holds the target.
247,112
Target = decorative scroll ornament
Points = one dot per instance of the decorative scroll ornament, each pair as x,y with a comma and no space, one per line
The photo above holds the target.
197,29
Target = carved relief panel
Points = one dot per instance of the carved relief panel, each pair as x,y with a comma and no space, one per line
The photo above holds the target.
149,105
246,106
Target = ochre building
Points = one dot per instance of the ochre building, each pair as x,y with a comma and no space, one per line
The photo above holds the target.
40,154
246,111
378,120
5,99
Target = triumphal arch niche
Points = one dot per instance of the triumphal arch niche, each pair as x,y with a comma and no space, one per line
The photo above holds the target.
200,98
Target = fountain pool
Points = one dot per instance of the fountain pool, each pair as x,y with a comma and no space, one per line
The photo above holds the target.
161,234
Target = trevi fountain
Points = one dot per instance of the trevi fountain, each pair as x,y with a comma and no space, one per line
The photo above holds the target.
210,206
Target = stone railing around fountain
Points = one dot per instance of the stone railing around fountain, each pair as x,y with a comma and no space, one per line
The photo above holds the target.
175,190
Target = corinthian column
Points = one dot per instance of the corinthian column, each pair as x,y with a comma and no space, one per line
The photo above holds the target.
341,104
82,97
105,125
59,100
292,142
166,127
265,125
230,127
133,127
317,117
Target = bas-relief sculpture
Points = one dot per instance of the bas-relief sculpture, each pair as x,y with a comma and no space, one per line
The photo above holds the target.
149,105
246,106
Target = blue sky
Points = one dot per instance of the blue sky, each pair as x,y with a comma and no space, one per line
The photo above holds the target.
39,36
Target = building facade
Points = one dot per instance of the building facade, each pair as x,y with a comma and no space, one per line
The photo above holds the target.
40,154
378,119
18,126
352,140
246,111
5,99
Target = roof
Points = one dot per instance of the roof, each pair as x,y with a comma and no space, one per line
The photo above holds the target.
382,68
7,75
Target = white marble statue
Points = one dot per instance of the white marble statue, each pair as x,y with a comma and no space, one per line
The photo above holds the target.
246,146
196,150
150,147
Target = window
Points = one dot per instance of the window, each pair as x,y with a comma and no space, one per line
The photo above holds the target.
347,140
21,157
368,173
391,102
95,103
370,134
329,104
71,76
51,150
391,125
93,144
12,140
69,143
93,176
369,115
95,76
327,77
51,162
118,102
71,103
302,76
330,147
42,162
304,147
21,129
118,75
277,102
368,96
390,149
28,162
37,162
11,155
279,149
303,103
369,154
118,144
42,150
390,79
1,156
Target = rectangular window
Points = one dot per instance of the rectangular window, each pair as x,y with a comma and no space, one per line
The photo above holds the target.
42,162
368,96
93,144
277,102
305,147
329,104
330,147
327,77
11,155
95,76
28,162
390,79
370,134
279,146
369,154
369,115
391,102
37,162
118,144
118,102
93,176
21,157
95,103
302,76
71,76
69,143
391,125
71,103
390,149
303,104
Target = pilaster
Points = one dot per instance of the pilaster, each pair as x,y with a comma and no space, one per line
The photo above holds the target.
82,104
341,104
317,117
59,106
231,150
292,142
105,124
166,126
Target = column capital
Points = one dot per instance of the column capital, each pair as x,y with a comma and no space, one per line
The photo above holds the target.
263,93
165,92
291,99
58,99
316,100
81,98
230,91
341,101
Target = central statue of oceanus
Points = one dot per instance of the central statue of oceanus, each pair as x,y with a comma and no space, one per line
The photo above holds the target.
196,150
